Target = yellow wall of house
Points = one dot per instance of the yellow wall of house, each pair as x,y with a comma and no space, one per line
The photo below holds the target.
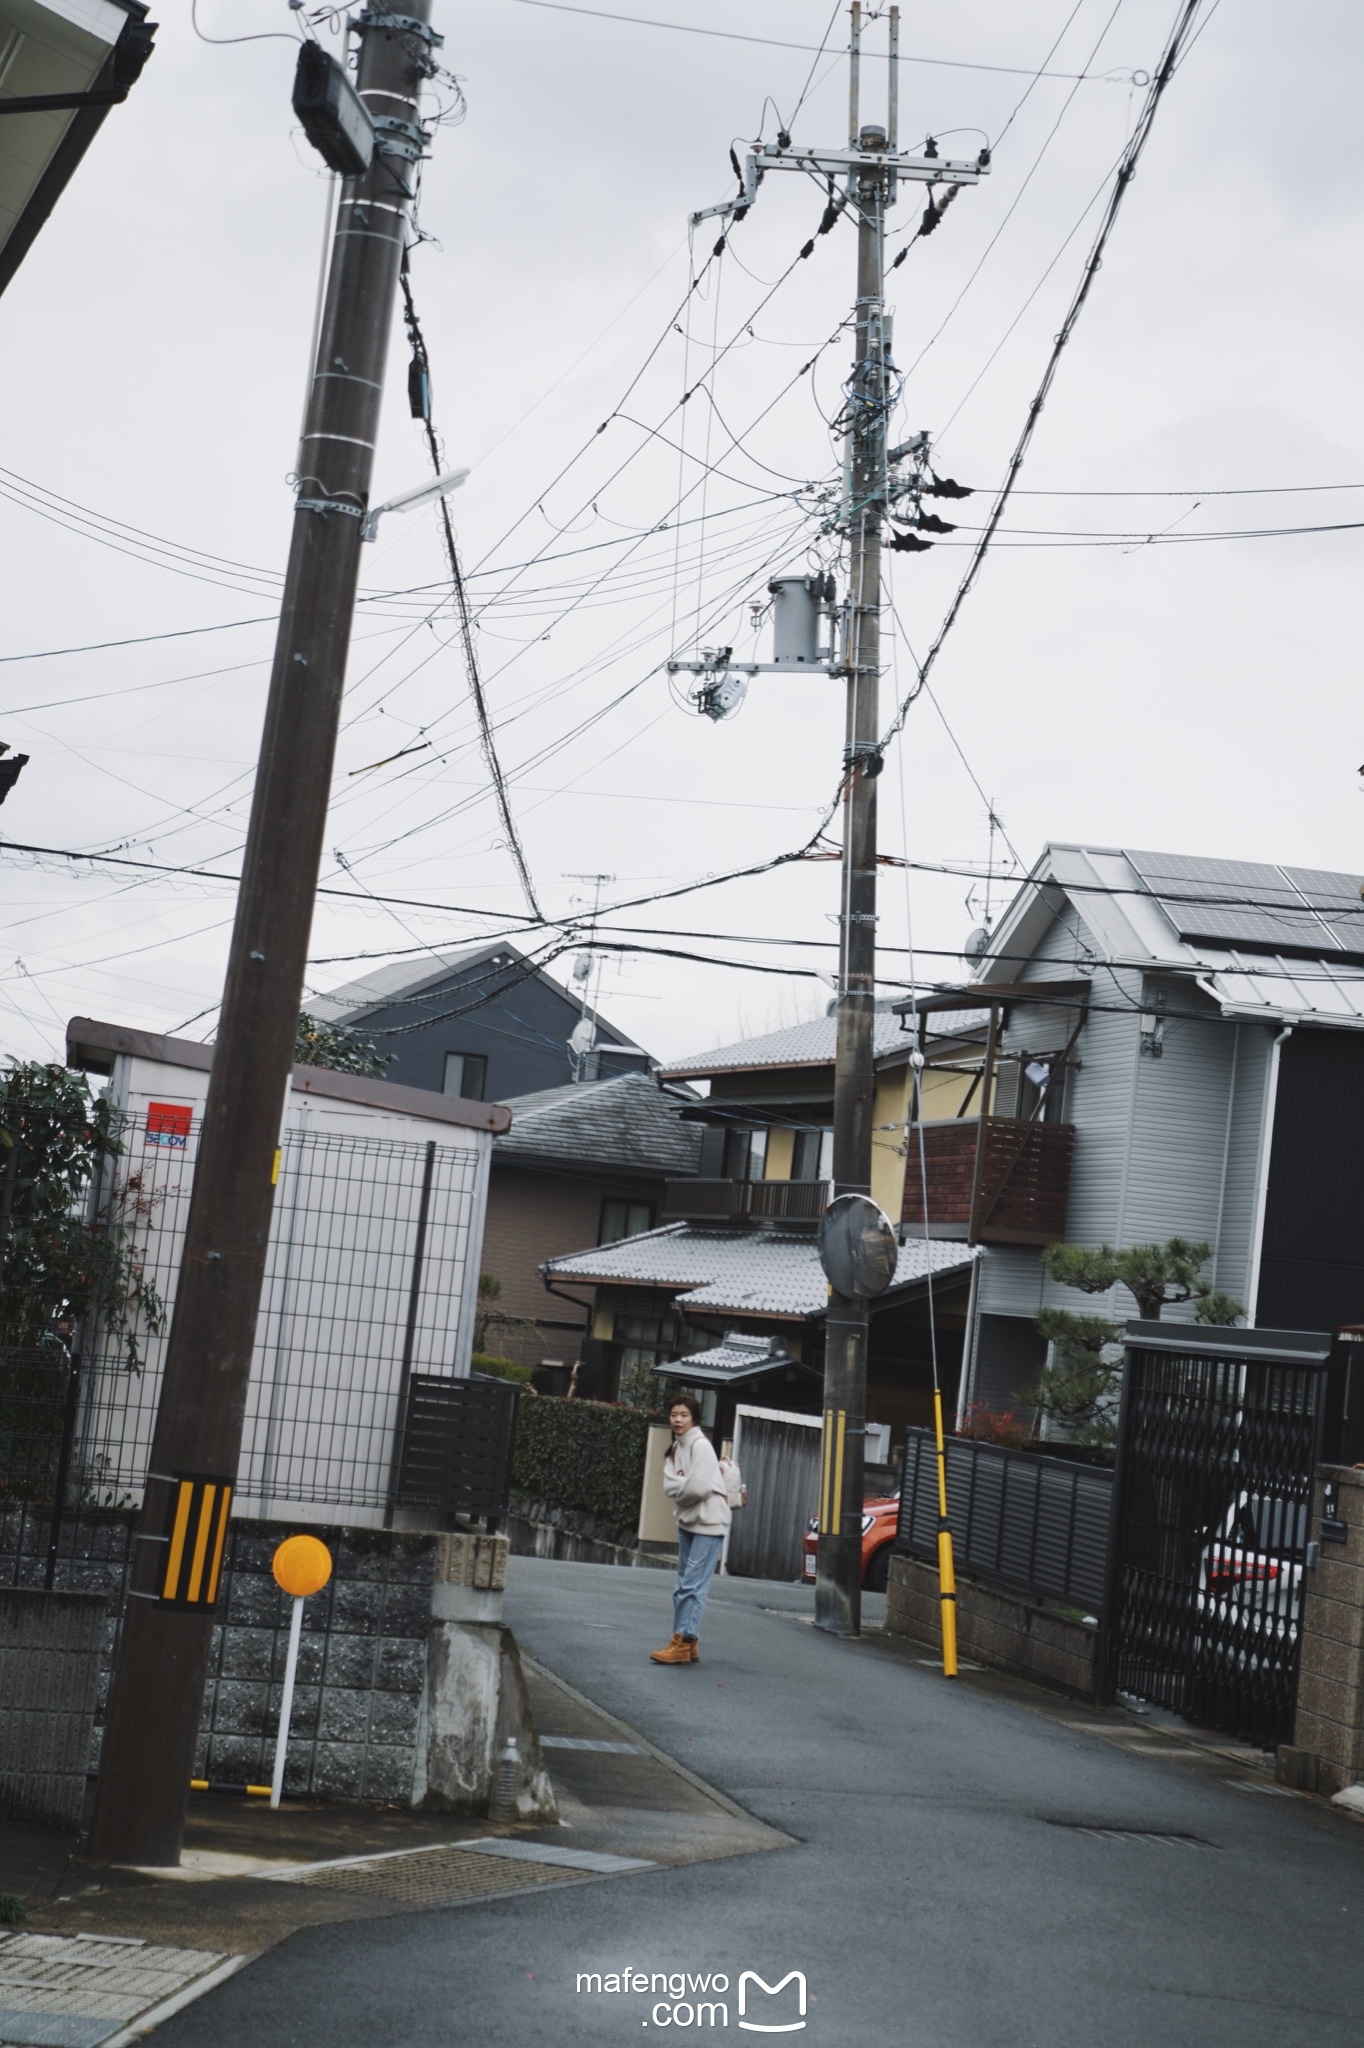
781,1146
944,1091
888,1139
943,1094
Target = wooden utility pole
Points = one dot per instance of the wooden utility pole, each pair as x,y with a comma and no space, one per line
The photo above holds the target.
163,1652
838,1585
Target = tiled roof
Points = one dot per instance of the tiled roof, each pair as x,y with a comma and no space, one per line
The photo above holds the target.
739,1357
1279,944
802,1045
748,1272
628,1122
404,980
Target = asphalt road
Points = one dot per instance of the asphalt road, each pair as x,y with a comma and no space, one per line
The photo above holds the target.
942,1889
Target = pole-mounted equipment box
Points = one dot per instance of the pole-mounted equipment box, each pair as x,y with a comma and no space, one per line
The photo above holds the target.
334,117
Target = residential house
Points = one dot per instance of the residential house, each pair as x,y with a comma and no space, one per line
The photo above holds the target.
729,1286
579,1165
1175,1046
485,1024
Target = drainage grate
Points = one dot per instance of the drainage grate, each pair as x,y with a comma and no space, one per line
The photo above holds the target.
436,1877
1158,1837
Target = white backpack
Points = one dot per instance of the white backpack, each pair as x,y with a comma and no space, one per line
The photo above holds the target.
736,1493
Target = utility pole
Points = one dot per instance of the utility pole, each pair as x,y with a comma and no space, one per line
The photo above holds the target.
838,1585
873,167
162,1662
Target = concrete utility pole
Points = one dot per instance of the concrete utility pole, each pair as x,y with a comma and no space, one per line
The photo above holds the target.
838,1586
873,168
163,1653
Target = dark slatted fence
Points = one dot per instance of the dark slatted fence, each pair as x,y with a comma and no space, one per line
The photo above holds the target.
1028,1520
456,1446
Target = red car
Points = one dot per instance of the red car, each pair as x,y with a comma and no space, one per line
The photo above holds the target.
880,1519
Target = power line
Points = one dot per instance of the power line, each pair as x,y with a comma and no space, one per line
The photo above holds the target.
1126,172
775,43
421,365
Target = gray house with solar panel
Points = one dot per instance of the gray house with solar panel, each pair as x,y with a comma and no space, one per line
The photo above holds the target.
1173,1046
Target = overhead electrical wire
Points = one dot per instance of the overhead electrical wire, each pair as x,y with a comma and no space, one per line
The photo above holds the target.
421,364
1179,36
778,43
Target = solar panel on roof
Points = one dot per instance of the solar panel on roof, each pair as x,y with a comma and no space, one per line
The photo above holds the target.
1337,899
1256,906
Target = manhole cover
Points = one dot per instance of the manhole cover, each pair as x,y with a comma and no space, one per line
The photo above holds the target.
436,1877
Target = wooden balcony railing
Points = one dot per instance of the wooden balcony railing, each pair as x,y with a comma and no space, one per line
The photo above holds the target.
742,1201
993,1180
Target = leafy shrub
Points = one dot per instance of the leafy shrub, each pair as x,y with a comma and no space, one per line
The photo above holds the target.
501,1368
583,1454
331,1045
989,1425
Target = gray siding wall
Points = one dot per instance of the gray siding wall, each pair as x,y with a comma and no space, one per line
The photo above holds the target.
1010,1281
1179,1135
1101,1103
1163,1147
1236,1237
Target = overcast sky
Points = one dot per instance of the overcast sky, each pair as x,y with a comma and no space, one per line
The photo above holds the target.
1182,694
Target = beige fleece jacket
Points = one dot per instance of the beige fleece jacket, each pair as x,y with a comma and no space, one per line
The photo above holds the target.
692,1482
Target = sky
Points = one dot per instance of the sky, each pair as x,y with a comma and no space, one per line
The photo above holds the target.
1149,658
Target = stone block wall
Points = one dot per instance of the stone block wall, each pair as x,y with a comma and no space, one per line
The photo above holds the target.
1329,1730
1006,1630
50,1651
362,1658
361,1667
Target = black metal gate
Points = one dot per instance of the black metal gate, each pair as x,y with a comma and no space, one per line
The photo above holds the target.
1220,1433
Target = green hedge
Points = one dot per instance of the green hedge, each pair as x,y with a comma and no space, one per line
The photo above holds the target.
582,1454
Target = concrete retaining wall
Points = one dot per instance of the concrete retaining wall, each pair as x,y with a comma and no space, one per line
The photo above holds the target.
1006,1630
543,1528
1328,1737
50,1651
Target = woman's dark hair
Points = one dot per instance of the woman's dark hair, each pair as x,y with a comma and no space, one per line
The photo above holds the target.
686,1401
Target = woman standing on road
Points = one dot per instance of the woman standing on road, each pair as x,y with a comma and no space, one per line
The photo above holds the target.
694,1484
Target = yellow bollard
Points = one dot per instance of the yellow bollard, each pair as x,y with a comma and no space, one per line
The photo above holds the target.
947,1581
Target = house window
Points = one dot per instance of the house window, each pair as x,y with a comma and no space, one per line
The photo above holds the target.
621,1218
745,1155
1042,1089
812,1156
649,1341
466,1074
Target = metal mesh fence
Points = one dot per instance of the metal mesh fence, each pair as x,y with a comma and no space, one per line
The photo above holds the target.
365,1286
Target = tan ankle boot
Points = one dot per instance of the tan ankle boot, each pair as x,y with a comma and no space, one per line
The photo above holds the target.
676,1651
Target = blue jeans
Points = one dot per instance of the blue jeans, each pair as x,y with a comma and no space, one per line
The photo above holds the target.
697,1557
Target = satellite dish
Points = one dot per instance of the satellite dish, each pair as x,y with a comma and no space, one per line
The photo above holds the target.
858,1247
978,945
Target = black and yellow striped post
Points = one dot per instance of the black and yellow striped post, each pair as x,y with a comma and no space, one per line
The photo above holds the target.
947,1579
196,1537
